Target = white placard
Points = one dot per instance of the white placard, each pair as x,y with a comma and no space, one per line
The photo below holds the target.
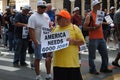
108,19
54,41
99,17
44,30
24,33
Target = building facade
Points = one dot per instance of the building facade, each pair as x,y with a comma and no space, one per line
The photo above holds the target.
59,4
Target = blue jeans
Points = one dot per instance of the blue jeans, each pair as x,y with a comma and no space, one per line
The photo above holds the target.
100,45
37,51
5,37
20,50
11,40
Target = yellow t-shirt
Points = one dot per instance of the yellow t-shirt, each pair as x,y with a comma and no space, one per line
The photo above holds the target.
68,57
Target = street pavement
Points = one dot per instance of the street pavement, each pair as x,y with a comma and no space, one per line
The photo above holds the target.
8,72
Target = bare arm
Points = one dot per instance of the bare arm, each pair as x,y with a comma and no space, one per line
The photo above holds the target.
20,24
32,36
105,23
86,24
75,42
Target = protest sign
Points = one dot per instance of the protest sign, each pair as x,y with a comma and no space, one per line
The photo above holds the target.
54,41
108,19
99,17
25,33
44,30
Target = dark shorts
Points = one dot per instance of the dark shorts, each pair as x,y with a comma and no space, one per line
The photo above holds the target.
45,55
106,34
30,47
66,73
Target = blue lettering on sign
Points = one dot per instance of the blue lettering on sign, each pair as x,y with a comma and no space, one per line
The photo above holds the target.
61,46
48,49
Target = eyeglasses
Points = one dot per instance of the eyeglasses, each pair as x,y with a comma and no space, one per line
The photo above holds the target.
42,7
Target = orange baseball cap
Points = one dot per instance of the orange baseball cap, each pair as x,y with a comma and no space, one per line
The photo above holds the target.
64,14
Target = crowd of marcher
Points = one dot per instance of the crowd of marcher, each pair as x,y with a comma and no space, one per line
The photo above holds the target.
21,31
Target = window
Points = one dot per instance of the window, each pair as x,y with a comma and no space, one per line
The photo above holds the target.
104,4
67,5
78,4
87,4
111,3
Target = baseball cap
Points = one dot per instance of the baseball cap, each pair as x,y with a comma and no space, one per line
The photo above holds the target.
30,12
53,8
95,2
64,14
41,3
76,9
112,7
26,7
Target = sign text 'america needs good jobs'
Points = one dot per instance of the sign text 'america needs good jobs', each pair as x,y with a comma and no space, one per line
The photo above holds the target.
54,41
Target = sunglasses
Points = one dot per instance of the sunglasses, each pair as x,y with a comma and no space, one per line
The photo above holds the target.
42,7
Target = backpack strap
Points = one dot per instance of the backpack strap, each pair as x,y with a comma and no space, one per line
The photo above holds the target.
91,19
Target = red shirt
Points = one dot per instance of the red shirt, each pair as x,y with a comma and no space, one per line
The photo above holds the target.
98,33
76,19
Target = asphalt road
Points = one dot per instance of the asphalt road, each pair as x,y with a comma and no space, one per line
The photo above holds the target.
8,72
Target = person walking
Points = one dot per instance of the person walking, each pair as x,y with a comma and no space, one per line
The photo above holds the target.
117,30
6,24
105,26
21,37
37,22
66,61
96,41
76,18
113,36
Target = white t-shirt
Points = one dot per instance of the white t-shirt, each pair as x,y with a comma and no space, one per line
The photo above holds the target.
37,22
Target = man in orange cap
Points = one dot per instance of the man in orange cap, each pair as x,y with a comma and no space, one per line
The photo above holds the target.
66,61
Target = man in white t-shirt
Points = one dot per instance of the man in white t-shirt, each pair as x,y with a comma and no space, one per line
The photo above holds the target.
39,24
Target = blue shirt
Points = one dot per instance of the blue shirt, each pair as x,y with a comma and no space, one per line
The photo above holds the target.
51,14
22,19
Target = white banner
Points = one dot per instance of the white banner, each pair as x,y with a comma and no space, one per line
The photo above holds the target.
54,41
108,19
25,32
99,17
44,30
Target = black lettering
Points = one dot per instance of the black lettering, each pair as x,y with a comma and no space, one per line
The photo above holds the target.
45,37
54,42
99,19
61,46
64,35
48,49
55,36
100,15
59,41
50,42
